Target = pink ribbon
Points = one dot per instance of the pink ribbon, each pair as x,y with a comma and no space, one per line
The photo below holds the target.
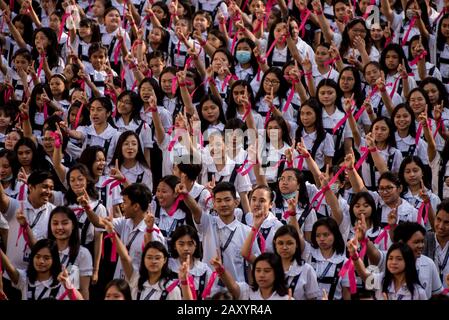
342,121
21,196
359,113
383,236
174,207
268,7
300,161
419,131
113,183
412,23
366,151
227,79
78,116
23,233
117,52
247,111
78,212
45,110
8,92
348,268
209,198
290,95
68,292
61,28
174,82
423,207
242,171
114,247
41,64
57,138
320,194
422,55
262,242
267,116
209,285
304,17
287,214
439,124
279,162
278,40
178,133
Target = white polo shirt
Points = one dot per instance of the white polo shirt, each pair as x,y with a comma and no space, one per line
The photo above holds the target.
133,239
37,219
246,293
42,289
215,234
81,267
138,173
204,196
306,287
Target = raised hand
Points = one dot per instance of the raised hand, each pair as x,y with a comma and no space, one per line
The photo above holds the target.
116,173
181,189
184,269
64,279
371,143
21,218
83,198
301,148
393,217
149,220
349,160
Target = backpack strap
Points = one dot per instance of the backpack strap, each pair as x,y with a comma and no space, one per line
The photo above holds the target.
335,281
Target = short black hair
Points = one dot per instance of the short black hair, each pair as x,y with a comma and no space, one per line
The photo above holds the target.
406,230
443,206
225,186
192,171
38,176
138,193
180,232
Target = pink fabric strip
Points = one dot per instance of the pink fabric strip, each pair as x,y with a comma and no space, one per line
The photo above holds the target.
439,124
172,143
246,114
41,65
383,236
267,116
57,138
68,292
117,52
348,268
23,233
175,205
412,23
341,122
172,286
395,84
418,57
290,96
363,157
209,285
63,21
227,79
21,196
359,113
320,194
304,17
78,116
114,247
45,110
268,7
191,282
174,82
364,246
424,207
279,162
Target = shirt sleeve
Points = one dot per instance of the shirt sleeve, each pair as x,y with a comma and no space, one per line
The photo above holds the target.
244,290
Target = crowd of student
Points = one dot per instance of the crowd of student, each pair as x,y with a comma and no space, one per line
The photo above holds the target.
236,149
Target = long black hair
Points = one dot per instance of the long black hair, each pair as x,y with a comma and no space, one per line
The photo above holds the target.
292,232
89,156
74,240
279,284
11,157
426,177
412,127
166,273
52,49
441,39
70,196
357,89
303,196
443,95
331,224
27,142
55,268
314,104
217,102
346,42
136,102
411,275
375,215
231,111
118,153
402,59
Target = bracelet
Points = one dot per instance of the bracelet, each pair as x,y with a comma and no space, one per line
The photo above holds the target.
87,208
211,80
220,270
306,155
383,89
182,84
150,14
202,43
261,61
370,112
373,149
319,13
152,109
254,229
24,116
184,282
308,75
355,257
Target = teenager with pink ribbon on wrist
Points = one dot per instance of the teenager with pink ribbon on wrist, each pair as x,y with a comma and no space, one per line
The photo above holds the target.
40,280
262,221
173,206
186,248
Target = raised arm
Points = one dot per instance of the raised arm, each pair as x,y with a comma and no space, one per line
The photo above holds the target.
354,177
189,201
9,267
225,276
331,199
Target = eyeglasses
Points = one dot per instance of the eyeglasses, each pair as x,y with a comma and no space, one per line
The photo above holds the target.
272,82
386,189
359,31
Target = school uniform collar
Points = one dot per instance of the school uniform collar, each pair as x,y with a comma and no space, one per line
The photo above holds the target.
232,226
407,140
446,246
294,269
46,283
309,135
106,134
197,270
239,69
136,169
336,258
140,227
227,169
197,189
269,221
335,115
28,207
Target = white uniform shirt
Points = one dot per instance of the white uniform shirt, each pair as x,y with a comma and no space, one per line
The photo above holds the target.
405,211
268,229
215,234
81,215
404,145
92,138
306,287
81,267
133,239
402,294
246,293
37,219
42,289
326,148
152,291
138,174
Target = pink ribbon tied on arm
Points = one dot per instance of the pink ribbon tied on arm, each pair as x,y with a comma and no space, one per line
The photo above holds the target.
57,138
304,17
242,171
256,234
41,64
113,183
175,205
420,129
383,236
116,53
178,133
45,110
348,268
63,21
68,292
21,196
227,79
422,55
424,207
407,33
342,121
439,124
114,246
23,233
366,151
290,95
320,194
78,116
210,283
